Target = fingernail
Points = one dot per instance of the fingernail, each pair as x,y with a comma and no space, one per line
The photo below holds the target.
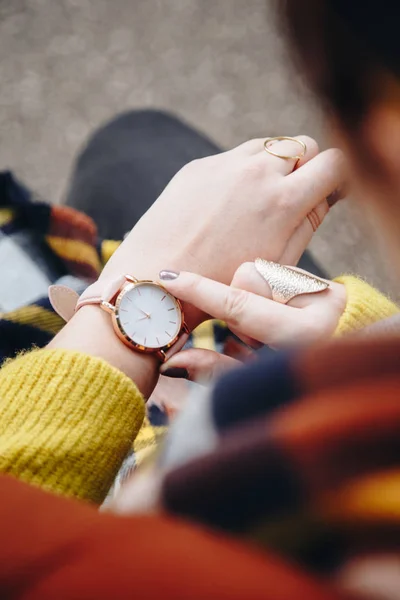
168,275
177,373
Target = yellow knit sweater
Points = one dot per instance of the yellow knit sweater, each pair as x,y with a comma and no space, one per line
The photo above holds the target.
67,420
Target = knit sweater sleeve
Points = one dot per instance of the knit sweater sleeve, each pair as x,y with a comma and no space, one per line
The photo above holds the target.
364,306
67,420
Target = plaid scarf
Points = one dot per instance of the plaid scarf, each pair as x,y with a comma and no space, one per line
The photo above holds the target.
39,244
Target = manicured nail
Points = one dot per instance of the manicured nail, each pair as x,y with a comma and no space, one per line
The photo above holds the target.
177,373
168,275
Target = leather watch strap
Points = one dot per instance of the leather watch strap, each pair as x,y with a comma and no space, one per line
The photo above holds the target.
100,291
63,299
66,301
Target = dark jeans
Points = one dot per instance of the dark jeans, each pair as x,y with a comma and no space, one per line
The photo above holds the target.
127,163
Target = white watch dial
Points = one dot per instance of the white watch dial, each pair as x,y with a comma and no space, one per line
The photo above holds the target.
149,316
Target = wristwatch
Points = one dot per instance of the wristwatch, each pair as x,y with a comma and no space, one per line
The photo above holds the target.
144,315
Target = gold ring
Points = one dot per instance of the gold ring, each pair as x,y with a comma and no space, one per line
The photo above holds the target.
314,219
290,139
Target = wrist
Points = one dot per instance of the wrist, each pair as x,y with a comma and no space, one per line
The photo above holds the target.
90,331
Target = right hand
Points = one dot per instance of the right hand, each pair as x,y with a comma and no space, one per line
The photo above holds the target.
247,308
220,211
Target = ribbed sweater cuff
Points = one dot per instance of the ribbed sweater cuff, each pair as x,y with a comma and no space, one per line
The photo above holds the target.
67,420
365,305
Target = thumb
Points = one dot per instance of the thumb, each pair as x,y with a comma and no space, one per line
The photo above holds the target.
200,365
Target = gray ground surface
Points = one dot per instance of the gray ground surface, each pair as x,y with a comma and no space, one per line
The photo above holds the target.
67,65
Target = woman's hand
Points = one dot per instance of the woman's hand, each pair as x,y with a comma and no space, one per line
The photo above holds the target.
216,213
247,308
220,211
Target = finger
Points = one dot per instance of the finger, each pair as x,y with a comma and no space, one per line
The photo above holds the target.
317,179
201,365
248,278
250,342
337,195
284,147
169,395
319,314
257,317
301,237
285,166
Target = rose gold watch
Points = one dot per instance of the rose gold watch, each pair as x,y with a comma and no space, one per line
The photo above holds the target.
144,315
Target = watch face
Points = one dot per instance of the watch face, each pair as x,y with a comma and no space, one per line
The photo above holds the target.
148,315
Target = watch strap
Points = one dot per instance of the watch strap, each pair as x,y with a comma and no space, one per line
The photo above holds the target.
63,300
66,301
100,291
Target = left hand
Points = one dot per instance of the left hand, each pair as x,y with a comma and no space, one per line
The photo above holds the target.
220,211
247,308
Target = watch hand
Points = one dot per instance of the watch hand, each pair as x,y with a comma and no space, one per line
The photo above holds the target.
142,319
142,311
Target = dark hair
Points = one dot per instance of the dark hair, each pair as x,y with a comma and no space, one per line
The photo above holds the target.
344,52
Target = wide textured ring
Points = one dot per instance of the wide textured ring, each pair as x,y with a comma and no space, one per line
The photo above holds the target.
290,139
288,282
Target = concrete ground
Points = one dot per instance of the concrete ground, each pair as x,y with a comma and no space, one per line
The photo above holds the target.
68,65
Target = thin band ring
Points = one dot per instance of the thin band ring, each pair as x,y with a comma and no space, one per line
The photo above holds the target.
314,219
290,139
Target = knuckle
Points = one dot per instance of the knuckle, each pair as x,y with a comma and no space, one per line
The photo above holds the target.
293,194
194,284
234,306
254,169
337,153
284,199
243,276
337,156
311,143
244,270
